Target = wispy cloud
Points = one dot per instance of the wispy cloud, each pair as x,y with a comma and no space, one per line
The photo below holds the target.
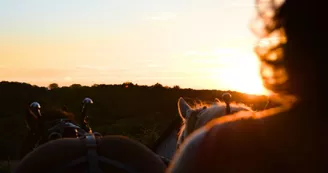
163,16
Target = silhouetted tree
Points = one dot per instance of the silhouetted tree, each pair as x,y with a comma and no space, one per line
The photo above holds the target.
128,84
76,86
157,85
53,86
176,87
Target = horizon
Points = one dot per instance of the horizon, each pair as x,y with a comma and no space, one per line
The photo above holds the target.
135,84
193,44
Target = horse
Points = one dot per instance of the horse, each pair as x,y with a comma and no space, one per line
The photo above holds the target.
184,124
55,132
53,124
200,115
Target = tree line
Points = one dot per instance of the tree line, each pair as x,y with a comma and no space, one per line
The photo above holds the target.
137,111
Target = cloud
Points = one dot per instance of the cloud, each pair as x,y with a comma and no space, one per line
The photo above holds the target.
163,16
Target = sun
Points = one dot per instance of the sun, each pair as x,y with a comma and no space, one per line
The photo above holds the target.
241,72
242,81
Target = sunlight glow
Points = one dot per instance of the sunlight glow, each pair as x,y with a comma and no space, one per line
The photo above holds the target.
229,69
245,76
205,44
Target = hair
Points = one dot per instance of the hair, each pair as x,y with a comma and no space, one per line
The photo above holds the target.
203,113
292,37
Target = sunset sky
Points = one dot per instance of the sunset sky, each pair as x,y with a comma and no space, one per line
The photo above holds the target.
201,44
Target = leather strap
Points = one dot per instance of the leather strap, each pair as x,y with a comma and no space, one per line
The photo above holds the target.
92,158
92,155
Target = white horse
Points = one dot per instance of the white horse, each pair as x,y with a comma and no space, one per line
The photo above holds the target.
191,119
197,117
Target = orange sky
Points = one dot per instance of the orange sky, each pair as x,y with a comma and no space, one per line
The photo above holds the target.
201,44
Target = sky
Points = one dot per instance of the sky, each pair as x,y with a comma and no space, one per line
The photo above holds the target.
200,44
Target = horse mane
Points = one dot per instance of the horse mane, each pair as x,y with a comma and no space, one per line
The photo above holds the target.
213,111
56,113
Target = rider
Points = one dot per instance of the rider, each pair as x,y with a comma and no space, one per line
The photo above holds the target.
291,138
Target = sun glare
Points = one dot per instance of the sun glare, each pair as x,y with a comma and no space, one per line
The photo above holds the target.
245,82
240,72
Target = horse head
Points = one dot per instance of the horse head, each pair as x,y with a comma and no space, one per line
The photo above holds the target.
195,118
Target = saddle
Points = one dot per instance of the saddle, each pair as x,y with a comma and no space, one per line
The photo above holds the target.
92,154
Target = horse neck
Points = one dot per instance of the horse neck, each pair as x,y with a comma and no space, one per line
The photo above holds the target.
203,117
209,114
216,111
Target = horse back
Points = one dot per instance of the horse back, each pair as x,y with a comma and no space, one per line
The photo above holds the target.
58,154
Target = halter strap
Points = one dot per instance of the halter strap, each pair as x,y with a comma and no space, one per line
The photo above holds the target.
92,158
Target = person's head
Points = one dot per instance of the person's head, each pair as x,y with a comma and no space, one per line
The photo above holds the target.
290,46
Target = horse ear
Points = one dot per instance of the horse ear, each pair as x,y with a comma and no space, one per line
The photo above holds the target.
183,108
217,100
